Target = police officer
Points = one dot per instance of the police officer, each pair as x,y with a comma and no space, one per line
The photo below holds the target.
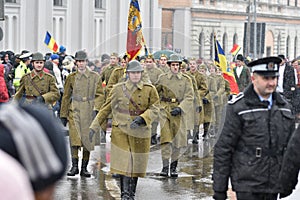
257,128
80,91
22,69
133,104
176,94
37,86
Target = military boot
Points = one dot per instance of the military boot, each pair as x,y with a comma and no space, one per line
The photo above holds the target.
195,135
165,169
153,139
133,184
205,130
125,187
74,170
189,135
84,171
103,137
173,170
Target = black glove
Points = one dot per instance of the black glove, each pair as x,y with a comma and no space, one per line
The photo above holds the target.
198,109
40,99
95,113
220,196
230,97
138,121
176,111
64,121
91,135
285,194
205,100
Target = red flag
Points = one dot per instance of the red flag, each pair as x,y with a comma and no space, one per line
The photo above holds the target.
135,38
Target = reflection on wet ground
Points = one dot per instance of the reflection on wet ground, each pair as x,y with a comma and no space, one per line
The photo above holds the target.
194,181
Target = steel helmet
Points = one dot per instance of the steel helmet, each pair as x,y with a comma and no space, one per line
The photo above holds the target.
134,66
38,56
80,55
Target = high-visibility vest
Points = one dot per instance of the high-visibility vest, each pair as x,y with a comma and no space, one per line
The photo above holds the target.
20,71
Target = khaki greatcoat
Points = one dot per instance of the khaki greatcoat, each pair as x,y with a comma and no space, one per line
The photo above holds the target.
129,147
78,104
179,88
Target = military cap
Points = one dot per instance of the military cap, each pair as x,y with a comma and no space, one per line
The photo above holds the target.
240,57
183,65
80,55
150,56
38,56
42,150
26,55
105,57
203,66
174,58
134,66
114,54
268,66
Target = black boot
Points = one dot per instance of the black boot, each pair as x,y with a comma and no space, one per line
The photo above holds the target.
133,184
165,169
84,171
74,170
173,169
153,139
205,130
195,135
103,137
125,187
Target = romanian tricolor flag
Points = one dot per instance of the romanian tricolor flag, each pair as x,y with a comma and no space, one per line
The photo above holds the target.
50,42
221,61
135,38
235,49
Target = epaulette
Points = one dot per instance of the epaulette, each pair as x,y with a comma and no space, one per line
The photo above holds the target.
148,84
236,98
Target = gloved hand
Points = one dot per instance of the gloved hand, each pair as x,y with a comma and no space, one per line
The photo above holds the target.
91,135
176,111
198,109
95,113
40,99
205,100
215,98
137,122
220,195
64,121
230,97
285,194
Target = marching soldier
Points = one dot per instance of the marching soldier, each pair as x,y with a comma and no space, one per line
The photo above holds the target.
37,86
176,94
77,108
163,63
133,104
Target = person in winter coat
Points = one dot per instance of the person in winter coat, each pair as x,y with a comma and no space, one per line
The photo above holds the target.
257,129
134,105
4,96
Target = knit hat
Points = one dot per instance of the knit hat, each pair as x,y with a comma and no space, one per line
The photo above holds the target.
35,138
54,56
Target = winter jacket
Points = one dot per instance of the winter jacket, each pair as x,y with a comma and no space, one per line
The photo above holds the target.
252,143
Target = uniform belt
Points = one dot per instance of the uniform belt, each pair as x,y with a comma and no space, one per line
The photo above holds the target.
76,98
172,100
131,112
30,97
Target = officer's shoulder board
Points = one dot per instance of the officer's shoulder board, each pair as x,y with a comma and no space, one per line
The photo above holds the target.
186,76
149,85
236,98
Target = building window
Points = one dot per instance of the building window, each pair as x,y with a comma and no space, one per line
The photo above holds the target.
288,46
10,1
225,38
278,44
296,3
201,45
288,2
201,2
295,47
57,2
99,4
212,46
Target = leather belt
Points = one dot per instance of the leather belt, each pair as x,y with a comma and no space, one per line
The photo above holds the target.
131,112
76,98
171,100
30,97
262,152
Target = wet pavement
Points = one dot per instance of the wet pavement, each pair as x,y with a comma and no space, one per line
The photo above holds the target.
194,181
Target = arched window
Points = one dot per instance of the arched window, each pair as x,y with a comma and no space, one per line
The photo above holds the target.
295,47
287,48
201,45
212,46
278,44
235,39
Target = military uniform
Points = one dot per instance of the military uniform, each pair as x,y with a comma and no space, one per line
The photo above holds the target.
133,107
78,105
176,92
